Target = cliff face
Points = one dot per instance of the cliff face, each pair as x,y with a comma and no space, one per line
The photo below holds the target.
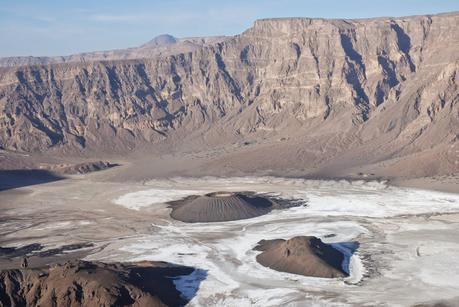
335,83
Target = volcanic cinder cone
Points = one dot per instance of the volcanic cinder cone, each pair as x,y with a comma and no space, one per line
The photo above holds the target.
303,255
220,207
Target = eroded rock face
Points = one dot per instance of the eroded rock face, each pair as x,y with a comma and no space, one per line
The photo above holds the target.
385,86
81,283
307,256
161,45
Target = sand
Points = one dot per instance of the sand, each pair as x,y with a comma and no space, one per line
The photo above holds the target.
307,256
230,160
447,183
442,303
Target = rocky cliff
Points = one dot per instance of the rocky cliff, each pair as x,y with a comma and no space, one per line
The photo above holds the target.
379,88
161,45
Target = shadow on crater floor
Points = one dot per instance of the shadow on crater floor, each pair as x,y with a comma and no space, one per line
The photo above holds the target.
347,249
12,179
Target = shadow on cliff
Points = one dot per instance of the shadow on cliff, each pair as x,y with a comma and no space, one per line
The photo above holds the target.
12,179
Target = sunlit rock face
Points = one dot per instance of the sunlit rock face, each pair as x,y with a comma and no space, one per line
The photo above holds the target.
384,83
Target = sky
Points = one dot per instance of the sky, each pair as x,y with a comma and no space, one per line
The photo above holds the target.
62,27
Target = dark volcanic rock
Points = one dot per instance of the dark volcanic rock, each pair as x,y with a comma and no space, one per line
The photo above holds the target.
12,252
81,283
307,256
82,168
220,207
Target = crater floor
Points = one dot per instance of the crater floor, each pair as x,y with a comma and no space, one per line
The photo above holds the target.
403,234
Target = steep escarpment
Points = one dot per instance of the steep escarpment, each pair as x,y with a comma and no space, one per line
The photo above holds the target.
381,89
164,44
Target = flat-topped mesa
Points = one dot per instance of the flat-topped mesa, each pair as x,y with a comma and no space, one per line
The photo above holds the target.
295,25
305,21
289,25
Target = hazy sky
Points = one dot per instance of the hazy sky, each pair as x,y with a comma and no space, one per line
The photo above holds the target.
61,27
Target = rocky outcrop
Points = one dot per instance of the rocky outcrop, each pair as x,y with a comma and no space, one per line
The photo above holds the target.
81,168
307,256
82,283
386,88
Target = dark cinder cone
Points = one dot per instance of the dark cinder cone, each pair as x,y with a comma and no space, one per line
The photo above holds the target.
220,207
